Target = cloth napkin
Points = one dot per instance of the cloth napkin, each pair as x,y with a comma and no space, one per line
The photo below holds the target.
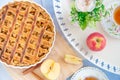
4,75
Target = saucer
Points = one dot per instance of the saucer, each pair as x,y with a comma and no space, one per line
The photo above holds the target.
89,72
108,22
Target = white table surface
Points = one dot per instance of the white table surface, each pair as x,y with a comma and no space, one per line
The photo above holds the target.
4,75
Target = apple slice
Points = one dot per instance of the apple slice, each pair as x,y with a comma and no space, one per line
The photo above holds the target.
54,73
72,59
50,69
46,66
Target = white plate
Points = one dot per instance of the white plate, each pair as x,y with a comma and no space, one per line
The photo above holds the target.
89,72
108,58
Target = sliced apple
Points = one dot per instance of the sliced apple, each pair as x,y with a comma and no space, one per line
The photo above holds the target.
54,73
46,66
50,69
72,59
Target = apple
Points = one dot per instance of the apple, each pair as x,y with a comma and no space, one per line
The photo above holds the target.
72,59
96,41
50,69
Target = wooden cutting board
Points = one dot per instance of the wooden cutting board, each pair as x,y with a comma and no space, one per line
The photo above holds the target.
61,47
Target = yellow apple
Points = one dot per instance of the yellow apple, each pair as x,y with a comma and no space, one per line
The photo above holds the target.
72,59
50,69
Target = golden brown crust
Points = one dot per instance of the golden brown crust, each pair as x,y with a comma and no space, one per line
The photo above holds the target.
26,33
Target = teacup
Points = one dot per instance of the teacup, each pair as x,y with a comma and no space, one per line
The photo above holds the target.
116,15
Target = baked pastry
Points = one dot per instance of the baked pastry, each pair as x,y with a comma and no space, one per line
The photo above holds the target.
26,33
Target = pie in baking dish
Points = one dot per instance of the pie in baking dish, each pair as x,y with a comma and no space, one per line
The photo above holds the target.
26,33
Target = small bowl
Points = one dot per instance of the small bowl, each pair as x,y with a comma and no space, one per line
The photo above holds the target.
86,72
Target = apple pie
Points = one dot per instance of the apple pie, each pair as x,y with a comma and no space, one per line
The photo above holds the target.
26,33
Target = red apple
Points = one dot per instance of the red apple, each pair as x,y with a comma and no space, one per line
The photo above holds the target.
96,41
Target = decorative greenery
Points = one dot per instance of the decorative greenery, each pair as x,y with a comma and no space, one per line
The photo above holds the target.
85,19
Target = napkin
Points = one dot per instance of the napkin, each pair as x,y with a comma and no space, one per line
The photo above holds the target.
4,75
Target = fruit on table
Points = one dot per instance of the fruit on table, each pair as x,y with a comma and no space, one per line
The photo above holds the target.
50,69
72,59
96,41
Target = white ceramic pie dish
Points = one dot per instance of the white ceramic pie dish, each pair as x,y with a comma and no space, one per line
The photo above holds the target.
5,2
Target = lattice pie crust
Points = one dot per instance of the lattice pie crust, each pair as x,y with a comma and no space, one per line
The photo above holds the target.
26,33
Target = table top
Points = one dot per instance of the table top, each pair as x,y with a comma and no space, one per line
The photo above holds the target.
4,75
